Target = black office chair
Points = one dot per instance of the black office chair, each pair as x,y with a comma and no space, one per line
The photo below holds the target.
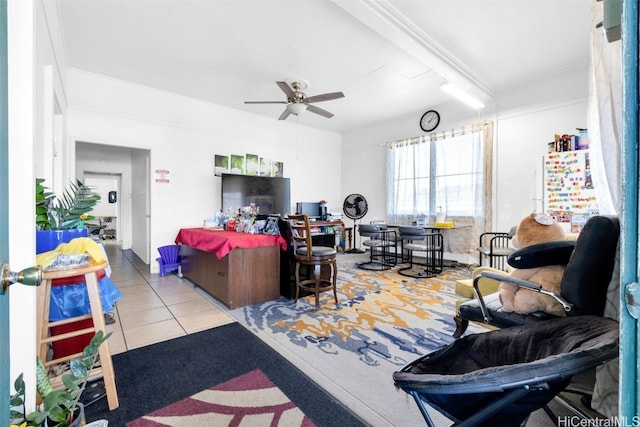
429,244
496,247
590,262
382,243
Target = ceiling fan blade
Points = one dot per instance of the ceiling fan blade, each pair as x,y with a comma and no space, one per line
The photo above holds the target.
320,111
325,97
284,114
287,90
265,102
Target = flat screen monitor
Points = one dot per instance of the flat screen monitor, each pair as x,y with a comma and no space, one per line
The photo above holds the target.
270,194
313,210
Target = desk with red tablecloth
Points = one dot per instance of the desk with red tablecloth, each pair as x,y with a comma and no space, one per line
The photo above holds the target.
237,269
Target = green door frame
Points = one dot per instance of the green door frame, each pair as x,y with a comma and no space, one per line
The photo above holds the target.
4,221
629,313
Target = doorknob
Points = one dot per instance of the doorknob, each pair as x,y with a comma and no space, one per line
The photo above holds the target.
632,299
31,276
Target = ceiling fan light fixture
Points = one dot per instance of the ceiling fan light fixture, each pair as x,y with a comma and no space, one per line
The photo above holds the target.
463,96
296,108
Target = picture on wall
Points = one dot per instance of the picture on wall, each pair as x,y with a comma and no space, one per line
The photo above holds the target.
252,164
220,165
278,169
237,164
265,167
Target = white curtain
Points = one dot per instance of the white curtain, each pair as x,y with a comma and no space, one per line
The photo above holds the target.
449,173
605,134
408,182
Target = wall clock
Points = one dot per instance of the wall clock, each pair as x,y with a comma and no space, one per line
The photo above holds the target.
429,120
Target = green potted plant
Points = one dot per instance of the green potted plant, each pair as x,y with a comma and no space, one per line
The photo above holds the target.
62,218
61,407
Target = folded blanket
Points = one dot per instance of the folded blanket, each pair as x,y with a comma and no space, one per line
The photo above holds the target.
79,245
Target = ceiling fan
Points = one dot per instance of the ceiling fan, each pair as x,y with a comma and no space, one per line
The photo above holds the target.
297,101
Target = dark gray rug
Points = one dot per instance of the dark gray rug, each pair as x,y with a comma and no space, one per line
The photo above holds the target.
152,377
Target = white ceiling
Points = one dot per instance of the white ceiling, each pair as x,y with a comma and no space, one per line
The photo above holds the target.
389,57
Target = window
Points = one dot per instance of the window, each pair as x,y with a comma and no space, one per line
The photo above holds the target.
428,175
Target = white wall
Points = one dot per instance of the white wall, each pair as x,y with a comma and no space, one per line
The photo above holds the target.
523,141
140,205
103,185
184,134
526,118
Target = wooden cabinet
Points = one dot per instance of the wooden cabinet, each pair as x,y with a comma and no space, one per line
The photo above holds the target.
242,277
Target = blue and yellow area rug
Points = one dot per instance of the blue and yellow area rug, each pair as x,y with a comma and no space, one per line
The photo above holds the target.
383,321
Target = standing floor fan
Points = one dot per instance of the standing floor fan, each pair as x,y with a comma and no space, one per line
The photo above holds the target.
355,207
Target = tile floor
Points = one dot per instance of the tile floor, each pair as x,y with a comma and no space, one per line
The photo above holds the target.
154,308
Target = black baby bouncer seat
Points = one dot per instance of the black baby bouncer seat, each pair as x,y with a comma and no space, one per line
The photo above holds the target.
498,378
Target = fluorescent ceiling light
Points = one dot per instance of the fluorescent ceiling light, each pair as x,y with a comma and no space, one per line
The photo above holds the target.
462,96
296,108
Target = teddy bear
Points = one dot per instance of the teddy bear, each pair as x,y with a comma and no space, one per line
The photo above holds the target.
533,229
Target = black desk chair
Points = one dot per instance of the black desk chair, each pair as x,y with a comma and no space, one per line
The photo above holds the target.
429,244
313,257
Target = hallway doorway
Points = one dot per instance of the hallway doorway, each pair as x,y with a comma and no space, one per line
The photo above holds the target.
127,172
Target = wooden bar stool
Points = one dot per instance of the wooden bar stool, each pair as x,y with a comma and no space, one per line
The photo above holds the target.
315,258
43,325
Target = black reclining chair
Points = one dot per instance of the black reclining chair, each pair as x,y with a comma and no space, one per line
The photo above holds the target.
499,377
588,271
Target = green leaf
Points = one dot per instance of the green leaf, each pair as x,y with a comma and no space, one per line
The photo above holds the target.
78,369
36,418
43,384
58,414
65,211
19,385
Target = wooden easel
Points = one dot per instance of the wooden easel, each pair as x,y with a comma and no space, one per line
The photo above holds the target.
97,315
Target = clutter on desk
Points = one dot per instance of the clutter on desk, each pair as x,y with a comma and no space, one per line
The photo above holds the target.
246,220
